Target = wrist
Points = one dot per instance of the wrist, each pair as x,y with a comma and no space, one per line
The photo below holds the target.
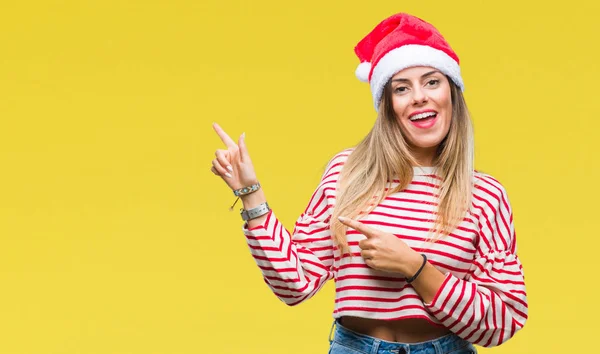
246,190
254,199
413,265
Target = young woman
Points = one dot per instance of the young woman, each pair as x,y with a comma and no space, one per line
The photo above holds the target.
421,246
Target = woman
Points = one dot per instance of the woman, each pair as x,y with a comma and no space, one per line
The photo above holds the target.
422,247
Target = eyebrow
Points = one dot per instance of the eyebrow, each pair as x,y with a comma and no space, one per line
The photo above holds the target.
422,76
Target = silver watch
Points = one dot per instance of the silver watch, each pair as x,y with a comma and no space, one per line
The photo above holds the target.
254,213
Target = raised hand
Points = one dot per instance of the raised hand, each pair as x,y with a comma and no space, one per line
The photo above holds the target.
233,164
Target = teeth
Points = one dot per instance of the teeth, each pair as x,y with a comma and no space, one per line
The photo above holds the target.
422,115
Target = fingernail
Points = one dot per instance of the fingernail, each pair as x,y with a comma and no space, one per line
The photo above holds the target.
230,168
228,175
341,218
243,135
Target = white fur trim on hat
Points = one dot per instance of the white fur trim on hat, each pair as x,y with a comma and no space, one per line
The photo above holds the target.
362,71
408,56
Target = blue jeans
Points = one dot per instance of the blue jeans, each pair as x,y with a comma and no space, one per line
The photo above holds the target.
346,341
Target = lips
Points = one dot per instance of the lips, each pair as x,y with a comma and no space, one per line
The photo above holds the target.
422,114
423,119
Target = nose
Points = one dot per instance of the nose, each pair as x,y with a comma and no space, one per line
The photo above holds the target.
419,96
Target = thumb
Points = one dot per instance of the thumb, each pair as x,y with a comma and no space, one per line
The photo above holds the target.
244,156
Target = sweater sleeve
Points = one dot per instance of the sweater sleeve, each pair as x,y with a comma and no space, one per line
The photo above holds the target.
489,305
295,266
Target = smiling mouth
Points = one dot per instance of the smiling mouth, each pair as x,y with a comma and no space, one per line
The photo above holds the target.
422,116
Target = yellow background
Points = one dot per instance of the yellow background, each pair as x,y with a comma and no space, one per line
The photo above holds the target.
116,238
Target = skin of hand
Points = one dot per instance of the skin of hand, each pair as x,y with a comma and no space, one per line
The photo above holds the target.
233,164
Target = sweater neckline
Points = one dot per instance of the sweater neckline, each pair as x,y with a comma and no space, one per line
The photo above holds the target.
424,170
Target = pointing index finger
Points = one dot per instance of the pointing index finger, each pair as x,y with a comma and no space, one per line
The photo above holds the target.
358,226
224,137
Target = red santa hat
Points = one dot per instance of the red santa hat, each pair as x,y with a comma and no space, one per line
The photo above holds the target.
399,42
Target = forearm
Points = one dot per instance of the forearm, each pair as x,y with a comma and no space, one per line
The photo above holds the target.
290,267
428,282
253,200
463,305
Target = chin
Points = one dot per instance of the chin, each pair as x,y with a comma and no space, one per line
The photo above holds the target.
426,144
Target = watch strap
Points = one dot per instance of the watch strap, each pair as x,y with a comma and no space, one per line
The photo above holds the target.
254,213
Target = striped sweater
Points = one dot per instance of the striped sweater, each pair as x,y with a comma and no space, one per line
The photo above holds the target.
482,298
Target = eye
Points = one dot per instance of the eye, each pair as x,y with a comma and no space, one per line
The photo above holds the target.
400,89
433,82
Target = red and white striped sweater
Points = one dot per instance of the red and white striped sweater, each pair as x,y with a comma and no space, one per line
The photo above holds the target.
482,299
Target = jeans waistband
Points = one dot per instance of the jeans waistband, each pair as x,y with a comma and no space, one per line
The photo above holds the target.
368,344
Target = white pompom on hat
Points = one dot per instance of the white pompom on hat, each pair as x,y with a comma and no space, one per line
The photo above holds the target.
399,42
362,71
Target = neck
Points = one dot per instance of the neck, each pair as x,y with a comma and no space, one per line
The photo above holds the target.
424,156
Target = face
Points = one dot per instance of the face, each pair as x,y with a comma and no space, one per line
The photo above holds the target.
423,107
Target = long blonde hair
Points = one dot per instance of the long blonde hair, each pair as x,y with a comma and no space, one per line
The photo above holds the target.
384,155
